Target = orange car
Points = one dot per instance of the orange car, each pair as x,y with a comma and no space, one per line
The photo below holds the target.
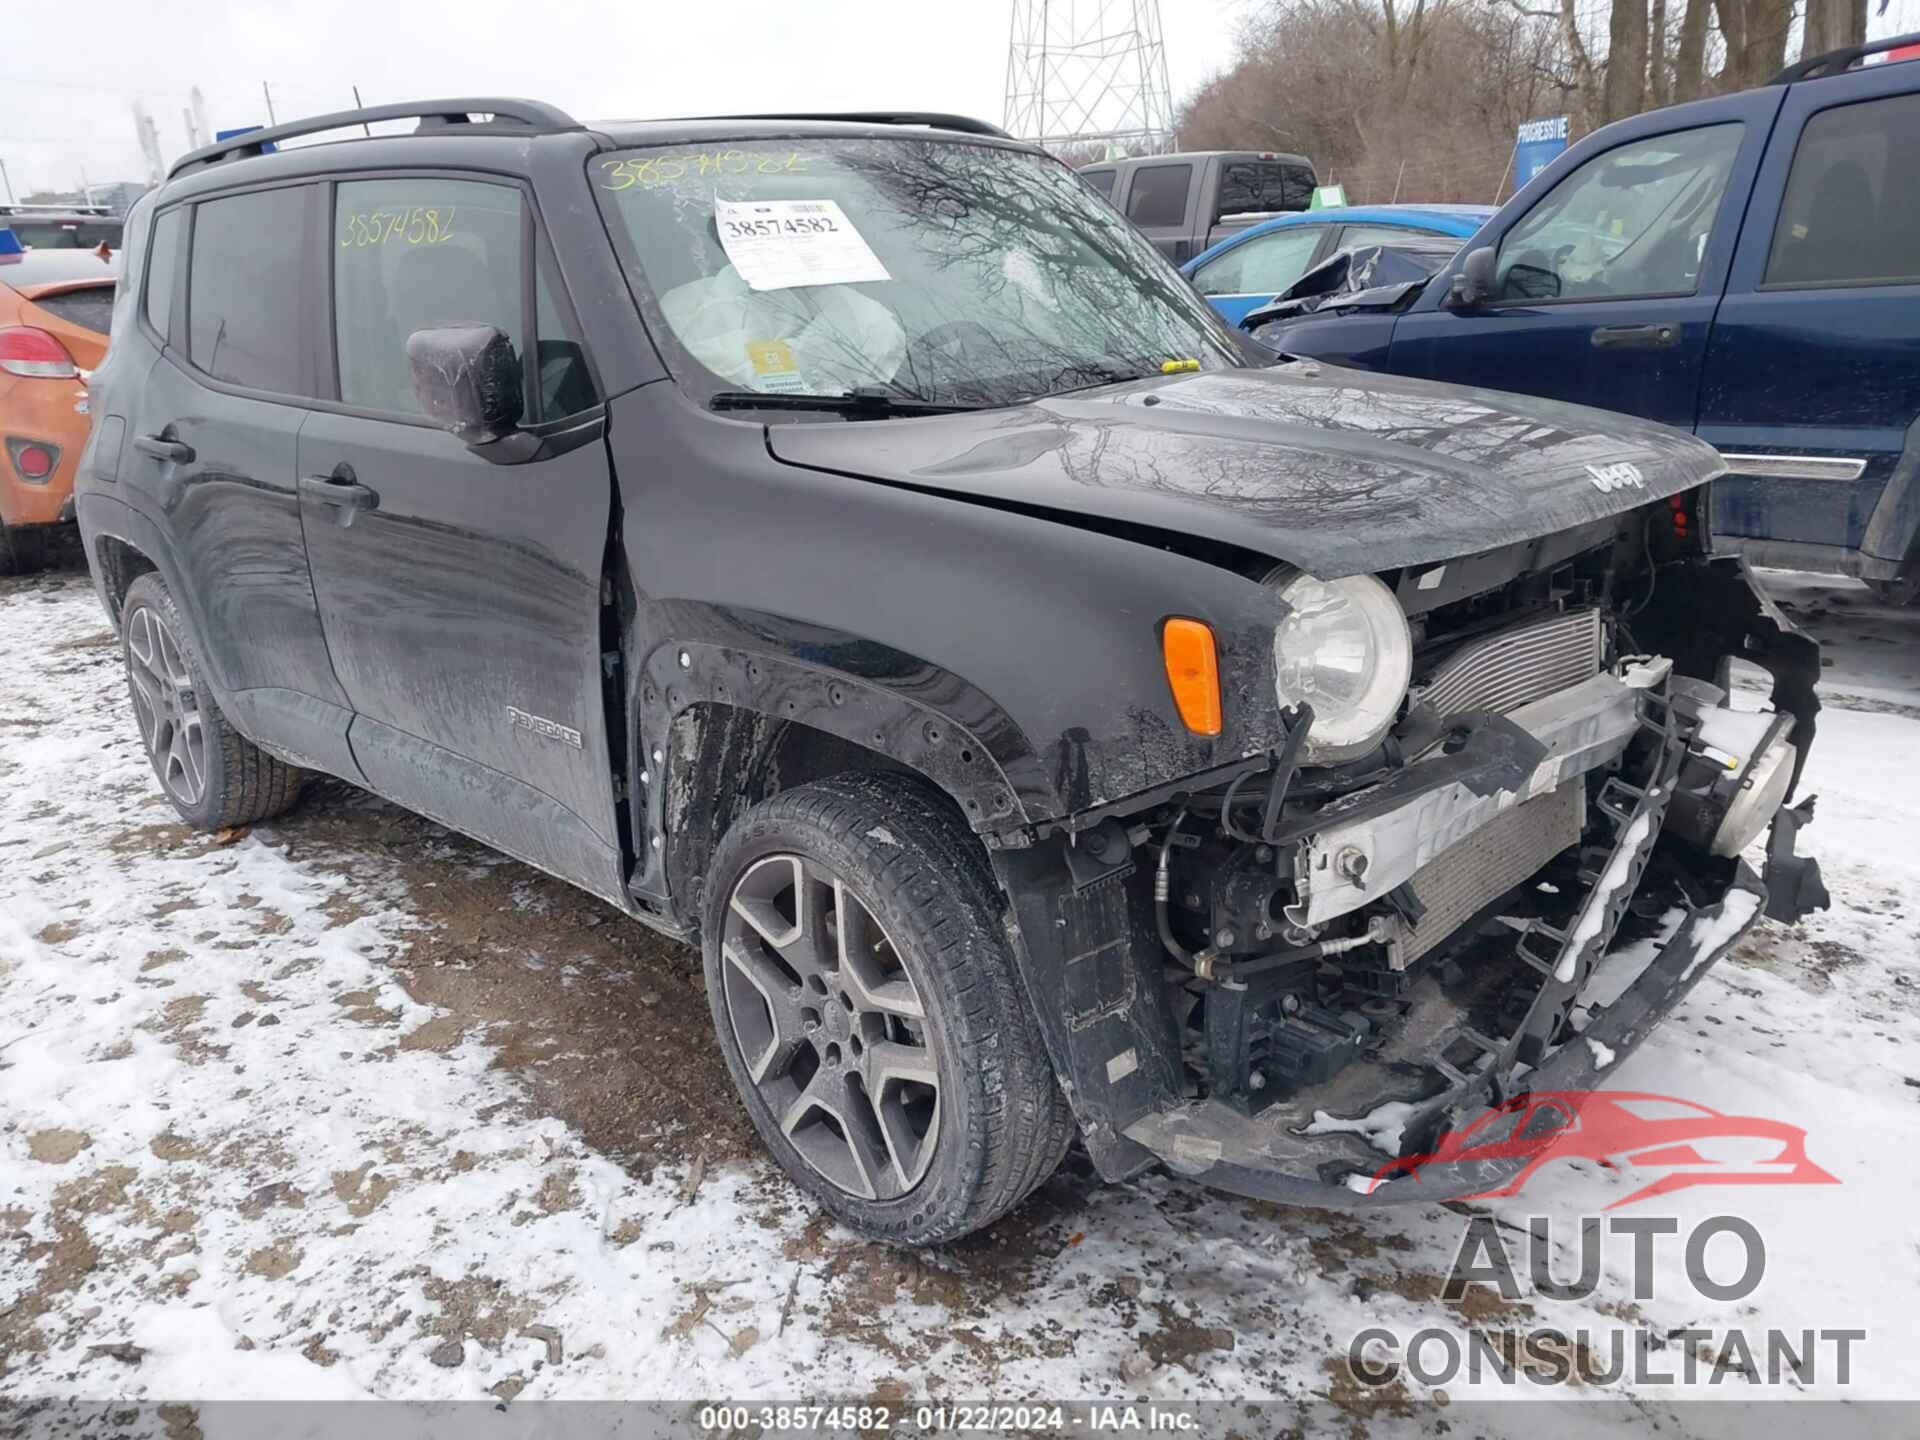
56,307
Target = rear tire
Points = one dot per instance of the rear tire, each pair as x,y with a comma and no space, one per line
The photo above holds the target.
21,551
883,1047
214,776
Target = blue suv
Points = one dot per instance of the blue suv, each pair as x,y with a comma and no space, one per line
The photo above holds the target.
1746,267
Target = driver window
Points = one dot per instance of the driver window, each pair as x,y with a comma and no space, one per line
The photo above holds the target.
1634,221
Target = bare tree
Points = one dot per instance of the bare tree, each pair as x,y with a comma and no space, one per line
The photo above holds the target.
1419,99
1625,89
1834,25
1690,51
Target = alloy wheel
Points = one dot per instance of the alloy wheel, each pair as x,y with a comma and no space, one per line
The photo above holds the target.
166,706
831,1027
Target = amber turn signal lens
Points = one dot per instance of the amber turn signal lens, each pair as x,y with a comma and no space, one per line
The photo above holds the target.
1193,673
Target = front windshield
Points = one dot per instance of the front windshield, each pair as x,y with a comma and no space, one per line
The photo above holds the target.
914,269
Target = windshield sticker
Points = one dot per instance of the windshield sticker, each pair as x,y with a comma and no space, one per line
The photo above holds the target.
422,225
648,171
774,369
785,244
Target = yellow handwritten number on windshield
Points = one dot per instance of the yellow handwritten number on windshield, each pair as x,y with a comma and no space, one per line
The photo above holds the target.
648,171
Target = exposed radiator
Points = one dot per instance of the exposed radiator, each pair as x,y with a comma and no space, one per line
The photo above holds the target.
1512,667
1455,885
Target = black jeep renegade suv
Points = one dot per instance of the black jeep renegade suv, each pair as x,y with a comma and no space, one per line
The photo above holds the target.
843,543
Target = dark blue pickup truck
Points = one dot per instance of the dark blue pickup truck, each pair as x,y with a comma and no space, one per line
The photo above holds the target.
1746,267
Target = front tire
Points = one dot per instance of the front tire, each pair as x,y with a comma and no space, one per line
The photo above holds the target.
215,777
867,1002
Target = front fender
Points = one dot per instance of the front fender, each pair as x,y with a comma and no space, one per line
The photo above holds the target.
1038,636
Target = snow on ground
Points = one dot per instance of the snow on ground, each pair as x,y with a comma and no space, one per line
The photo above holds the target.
349,1106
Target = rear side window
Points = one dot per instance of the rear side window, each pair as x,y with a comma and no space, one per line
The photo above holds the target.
1851,213
90,309
1101,180
419,254
1159,194
244,291
1264,265
1253,187
163,253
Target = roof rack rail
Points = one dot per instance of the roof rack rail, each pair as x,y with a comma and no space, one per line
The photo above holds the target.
966,125
1834,61
532,116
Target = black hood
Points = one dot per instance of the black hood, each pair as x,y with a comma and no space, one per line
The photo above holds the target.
1337,471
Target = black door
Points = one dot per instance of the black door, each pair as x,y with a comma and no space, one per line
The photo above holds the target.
461,597
214,446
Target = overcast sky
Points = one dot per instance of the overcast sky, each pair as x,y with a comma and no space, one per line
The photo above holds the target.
71,68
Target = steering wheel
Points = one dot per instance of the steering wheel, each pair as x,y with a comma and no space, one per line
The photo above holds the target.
952,334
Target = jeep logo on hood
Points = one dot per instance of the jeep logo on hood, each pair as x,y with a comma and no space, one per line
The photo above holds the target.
1618,476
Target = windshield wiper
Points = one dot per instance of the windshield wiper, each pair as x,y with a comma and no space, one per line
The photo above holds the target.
862,403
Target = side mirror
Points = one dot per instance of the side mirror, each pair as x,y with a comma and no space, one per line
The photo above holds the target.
467,379
1473,286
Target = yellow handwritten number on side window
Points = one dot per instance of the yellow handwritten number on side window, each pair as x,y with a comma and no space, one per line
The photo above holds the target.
418,225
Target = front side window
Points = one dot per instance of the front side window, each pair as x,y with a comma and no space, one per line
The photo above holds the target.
562,384
1851,213
1159,194
419,254
1633,221
163,251
246,280
1264,265
922,269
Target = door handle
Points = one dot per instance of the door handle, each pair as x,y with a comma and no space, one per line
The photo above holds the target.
1663,335
161,448
340,492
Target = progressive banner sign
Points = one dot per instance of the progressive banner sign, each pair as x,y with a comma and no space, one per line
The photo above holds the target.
1535,147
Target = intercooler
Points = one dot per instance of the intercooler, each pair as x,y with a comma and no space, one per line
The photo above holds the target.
1501,672
1505,670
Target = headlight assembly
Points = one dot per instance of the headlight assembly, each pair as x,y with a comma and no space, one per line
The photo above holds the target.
1345,650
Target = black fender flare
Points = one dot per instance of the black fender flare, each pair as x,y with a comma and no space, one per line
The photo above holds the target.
102,515
878,699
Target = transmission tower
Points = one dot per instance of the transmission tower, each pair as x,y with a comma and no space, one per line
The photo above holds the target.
1089,73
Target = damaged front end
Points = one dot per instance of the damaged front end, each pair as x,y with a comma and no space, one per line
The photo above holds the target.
1276,978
